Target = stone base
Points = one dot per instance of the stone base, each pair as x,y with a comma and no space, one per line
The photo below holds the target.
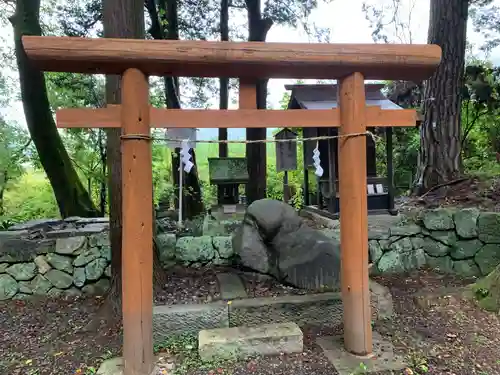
345,363
317,309
245,342
114,366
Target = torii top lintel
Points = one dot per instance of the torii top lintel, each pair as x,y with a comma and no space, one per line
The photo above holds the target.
232,59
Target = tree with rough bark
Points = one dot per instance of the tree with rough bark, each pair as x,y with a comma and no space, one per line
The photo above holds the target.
223,81
71,196
439,159
391,21
121,19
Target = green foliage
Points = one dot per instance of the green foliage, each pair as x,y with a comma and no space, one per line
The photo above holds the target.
31,198
15,152
162,170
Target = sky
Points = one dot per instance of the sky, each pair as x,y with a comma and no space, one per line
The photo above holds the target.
347,24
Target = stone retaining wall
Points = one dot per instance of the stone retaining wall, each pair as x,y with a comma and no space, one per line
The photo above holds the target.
194,251
52,257
72,257
465,242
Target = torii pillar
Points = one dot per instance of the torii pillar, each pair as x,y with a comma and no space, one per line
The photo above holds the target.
353,200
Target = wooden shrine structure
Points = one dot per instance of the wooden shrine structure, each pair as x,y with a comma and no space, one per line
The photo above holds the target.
325,200
228,173
135,60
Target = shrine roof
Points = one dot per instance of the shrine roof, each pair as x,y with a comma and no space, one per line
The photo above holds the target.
324,96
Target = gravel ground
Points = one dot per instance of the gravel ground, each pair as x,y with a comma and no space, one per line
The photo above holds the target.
448,334
184,286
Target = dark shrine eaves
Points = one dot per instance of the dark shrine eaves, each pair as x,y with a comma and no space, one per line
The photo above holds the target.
232,59
324,96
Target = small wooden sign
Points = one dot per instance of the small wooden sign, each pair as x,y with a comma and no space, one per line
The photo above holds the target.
286,152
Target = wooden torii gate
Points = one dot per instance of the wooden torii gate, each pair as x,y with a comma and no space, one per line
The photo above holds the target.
135,60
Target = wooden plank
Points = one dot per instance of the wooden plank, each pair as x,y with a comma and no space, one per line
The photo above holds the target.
137,240
232,59
354,227
286,152
239,118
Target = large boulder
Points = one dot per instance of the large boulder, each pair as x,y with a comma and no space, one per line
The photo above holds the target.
273,239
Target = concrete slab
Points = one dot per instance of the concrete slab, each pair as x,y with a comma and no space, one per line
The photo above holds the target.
174,320
383,358
245,342
231,286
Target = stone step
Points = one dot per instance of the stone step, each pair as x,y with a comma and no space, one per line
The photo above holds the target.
231,286
245,342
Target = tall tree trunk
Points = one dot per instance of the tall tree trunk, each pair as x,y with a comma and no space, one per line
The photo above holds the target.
71,196
224,81
440,147
121,19
167,13
258,28
3,184
223,87
102,185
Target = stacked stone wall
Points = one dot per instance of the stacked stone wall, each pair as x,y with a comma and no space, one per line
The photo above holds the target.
73,256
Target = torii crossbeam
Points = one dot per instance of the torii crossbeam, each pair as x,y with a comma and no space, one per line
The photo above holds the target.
136,59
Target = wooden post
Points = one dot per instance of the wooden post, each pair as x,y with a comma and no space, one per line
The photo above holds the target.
354,225
137,245
332,175
305,171
286,188
248,100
